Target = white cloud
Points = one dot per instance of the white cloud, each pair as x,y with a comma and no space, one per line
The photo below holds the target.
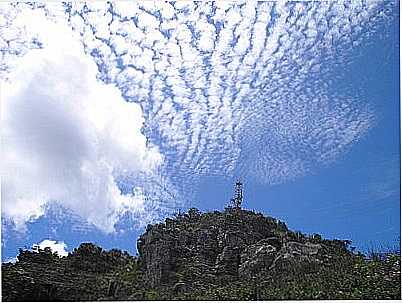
246,89
55,246
67,137
11,260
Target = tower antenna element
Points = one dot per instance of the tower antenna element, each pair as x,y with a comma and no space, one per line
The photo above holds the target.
238,195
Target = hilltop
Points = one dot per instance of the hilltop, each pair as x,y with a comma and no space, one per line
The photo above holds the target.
228,255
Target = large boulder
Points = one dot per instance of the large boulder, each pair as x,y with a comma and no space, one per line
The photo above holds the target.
257,257
296,254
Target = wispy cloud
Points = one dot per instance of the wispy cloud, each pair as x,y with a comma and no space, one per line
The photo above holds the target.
236,88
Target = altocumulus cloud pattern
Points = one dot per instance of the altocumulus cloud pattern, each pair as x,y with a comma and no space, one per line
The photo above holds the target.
223,88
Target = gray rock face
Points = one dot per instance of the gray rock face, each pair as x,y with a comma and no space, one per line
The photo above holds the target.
295,253
255,258
159,257
194,245
211,246
296,248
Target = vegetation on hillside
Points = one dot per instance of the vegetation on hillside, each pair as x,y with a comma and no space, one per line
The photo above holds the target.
91,273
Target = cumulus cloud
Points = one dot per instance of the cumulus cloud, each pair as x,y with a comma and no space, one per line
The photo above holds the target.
11,260
55,246
67,137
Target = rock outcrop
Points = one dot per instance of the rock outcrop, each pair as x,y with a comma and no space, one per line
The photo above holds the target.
229,245
230,255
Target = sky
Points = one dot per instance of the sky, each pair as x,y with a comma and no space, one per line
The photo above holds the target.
116,115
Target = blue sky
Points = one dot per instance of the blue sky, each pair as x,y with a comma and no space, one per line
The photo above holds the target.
118,114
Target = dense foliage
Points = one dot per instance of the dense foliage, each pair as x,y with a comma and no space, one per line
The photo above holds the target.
355,278
88,273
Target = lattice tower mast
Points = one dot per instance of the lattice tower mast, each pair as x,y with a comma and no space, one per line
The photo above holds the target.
238,195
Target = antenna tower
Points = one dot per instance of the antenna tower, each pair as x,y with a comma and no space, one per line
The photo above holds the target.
238,195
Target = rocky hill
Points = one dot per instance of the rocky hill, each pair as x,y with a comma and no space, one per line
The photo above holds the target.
229,255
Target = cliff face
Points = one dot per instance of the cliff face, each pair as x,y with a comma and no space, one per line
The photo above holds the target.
230,255
197,249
